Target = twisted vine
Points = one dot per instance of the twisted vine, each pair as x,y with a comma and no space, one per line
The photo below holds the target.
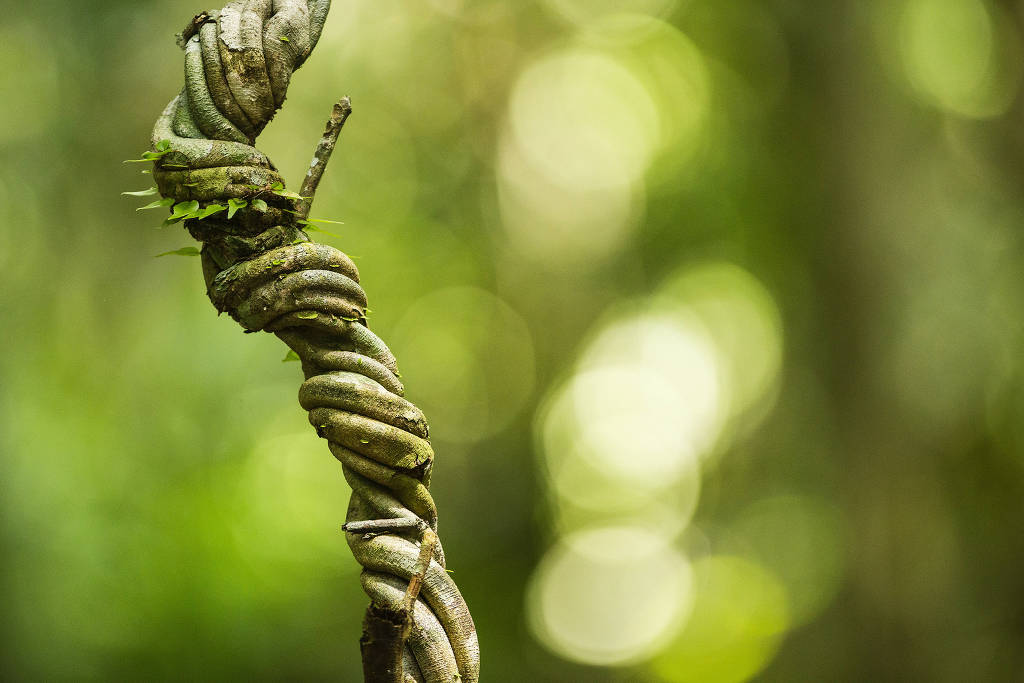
262,269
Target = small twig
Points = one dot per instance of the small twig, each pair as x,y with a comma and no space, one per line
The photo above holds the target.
192,28
375,527
385,631
324,148
428,539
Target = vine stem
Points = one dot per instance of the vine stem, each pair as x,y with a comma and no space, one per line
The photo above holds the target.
260,268
322,154
385,631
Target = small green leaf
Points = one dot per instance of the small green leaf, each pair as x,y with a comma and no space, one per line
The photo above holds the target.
277,186
150,156
174,166
163,146
184,209
284,39
148,192
208,210
184,251
190,184
315,228
289,194
324,220
260,205
307,315
290,356
157,204
364,441
234,205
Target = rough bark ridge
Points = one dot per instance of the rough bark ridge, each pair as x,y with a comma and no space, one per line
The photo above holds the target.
262,269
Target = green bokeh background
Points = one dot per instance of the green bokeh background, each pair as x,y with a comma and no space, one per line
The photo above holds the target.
166,512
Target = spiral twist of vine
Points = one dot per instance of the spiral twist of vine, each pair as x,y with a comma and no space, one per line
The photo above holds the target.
262,269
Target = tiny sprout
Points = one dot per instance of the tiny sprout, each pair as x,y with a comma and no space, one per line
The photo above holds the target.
157,204
288,194
148,192
234,205
162,148
184,251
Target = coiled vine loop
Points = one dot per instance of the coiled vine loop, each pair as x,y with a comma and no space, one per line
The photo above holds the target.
262,269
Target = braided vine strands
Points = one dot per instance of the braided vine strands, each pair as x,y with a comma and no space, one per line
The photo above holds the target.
263,271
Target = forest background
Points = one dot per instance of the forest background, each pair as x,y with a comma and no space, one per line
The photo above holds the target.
715,308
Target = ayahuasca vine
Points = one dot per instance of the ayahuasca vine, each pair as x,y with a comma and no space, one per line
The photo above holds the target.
263,270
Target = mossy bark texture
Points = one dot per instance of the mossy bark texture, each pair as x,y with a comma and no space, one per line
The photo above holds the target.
263,270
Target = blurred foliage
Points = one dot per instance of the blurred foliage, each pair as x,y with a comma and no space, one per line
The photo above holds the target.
715,307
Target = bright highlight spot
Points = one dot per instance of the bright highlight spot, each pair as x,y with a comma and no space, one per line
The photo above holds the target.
643,407
609,596
659,387
950,51
739,618
648,395
584,119
584,127
563,226
743,321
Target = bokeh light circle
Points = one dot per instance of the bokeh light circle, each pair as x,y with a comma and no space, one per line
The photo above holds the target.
586,124
800,539
585,119
586,488
565,227
738,620
643,406
743,321
953,56
609,596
